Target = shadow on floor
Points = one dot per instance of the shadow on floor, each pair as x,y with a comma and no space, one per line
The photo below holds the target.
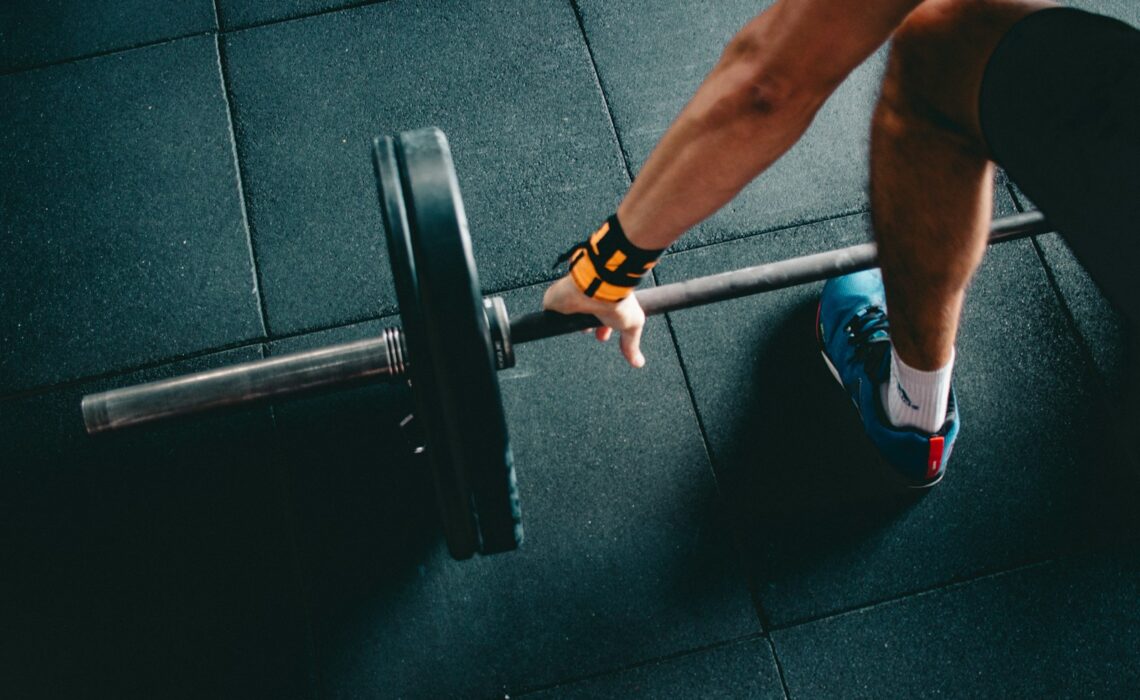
365,507
800,454
806,484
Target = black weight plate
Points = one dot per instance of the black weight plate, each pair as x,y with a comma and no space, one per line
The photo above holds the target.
453,498
455,329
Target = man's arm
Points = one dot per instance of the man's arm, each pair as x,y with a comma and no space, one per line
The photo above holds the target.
754,105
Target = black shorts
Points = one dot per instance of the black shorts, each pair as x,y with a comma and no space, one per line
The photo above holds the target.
1060,110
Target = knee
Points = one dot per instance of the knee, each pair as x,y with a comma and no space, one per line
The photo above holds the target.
926,57
936,24
938,57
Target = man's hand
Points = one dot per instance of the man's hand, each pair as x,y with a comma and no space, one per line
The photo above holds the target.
625,317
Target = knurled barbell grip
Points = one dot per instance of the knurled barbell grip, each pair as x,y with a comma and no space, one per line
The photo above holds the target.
384,356
751,280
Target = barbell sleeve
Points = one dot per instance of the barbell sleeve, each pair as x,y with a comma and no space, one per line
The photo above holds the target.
248,382
751,280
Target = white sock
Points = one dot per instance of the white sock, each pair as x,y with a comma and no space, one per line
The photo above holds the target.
917,399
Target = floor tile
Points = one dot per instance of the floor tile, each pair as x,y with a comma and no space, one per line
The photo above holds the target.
365,506
1101,326
1029,476
124,240
36,33
156,562
235,14
535,155
740,670
1125,10
1069,629
652,56
626,557
1106,337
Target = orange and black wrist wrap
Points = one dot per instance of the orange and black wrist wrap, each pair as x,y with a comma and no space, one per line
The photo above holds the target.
607,266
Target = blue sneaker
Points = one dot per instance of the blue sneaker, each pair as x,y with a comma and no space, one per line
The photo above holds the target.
854,338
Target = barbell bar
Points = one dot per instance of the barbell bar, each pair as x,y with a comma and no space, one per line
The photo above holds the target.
752,280
386,357
453,341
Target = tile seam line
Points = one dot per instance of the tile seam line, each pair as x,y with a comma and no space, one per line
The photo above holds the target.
239,176
217,29
548,278
321,328
735,544
298,17
625,159
1066,309
182,357
288,504
355,321
1084,348
105,53
753,233
692,398
779,667
571,680
702,430
744,236
951,585
300,576
142,367
1100,381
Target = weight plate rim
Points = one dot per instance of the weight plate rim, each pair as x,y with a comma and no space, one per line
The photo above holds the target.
452,299
453,502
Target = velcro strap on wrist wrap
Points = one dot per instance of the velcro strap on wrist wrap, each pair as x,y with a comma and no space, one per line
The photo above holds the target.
607,266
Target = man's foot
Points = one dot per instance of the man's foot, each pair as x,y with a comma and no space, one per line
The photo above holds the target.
854,338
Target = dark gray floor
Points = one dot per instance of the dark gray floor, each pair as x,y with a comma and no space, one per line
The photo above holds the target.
309,95
188,185
125,242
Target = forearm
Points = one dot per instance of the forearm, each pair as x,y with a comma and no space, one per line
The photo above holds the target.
717,145
753,106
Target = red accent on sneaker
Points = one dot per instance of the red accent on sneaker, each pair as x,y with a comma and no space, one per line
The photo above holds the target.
934,459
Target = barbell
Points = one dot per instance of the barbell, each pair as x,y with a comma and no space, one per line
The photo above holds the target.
452,342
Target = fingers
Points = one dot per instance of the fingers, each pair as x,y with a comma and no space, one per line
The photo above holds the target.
626,316
630,342
631,346
630,320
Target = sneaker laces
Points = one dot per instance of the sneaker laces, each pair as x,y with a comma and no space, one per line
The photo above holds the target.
869,331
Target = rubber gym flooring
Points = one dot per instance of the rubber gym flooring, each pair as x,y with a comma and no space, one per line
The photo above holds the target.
187,184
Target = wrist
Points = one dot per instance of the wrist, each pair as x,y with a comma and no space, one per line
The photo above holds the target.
607,266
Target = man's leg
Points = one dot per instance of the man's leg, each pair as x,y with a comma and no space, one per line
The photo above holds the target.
931,198
1053,95
931,189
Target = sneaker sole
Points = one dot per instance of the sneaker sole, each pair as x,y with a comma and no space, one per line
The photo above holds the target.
890,472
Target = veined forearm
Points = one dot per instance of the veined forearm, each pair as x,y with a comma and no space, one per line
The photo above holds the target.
717,145
756,103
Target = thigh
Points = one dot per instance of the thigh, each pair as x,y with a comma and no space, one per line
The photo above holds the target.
939,56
